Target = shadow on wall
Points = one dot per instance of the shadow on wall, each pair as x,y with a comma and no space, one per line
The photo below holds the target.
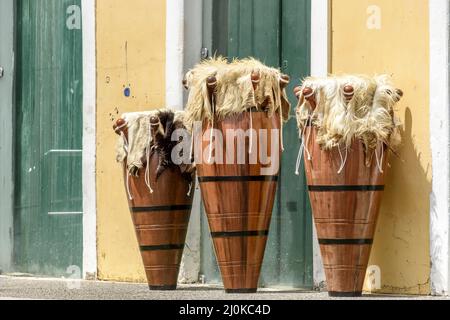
399,235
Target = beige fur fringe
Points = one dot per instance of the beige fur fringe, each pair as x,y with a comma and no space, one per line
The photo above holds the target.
134,148
368,116
234,93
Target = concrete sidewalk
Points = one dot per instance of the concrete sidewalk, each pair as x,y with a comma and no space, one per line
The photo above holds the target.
59,289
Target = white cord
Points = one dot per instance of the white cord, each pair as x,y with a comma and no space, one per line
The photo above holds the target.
213,103
343,161
281,122
250,148
211,141
380,162
190,189
128,187
192,145
147,169
300,152
307,139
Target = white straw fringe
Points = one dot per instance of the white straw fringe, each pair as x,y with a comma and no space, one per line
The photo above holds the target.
125,141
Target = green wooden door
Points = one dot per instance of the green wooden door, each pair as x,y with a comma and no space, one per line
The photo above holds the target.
6,144
48,187
278,33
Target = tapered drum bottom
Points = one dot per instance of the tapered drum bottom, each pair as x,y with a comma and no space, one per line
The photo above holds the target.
344,294
241,291
163,288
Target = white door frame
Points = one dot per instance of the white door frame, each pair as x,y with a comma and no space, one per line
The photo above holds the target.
440,141
183,45
6,138
320,67
88,8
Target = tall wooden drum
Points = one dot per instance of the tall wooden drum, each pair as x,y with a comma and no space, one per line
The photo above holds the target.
345,208
348,126
160,215
241,106
238,201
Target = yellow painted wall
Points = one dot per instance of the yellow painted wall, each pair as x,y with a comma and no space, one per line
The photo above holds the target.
130,52
400,48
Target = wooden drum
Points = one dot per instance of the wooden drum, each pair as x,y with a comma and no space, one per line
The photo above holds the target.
161,220
239,200
345,208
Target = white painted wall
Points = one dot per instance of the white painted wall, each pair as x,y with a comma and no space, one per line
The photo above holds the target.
440,142
89,139
320,66
6,137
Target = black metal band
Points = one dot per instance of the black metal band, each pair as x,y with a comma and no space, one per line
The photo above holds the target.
163,247
237,178
236,234
345,241
241,291
162,208
344,188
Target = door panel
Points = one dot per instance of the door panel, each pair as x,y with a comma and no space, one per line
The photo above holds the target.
252,30
277,33
48,194
6,123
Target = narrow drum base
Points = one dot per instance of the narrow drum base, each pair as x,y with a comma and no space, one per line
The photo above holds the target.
335,294
241,291
163,288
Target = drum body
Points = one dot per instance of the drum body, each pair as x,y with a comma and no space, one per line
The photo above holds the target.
161,220
345,206
239,196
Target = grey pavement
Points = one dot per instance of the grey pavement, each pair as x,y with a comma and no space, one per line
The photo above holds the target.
18,288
